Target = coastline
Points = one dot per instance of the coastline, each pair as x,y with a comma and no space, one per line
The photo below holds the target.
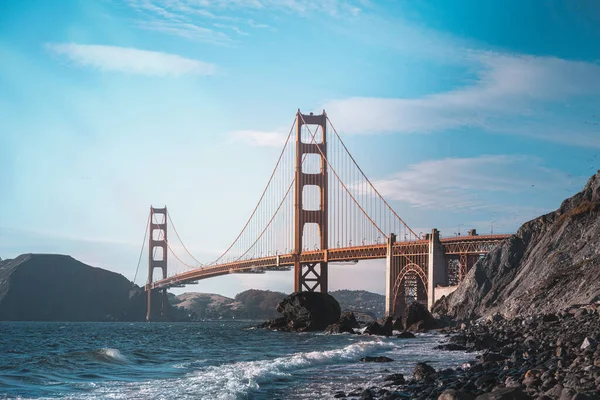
551,356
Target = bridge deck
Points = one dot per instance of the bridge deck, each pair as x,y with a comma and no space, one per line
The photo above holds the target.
453,245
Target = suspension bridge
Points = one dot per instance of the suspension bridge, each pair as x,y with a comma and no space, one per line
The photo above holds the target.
319,207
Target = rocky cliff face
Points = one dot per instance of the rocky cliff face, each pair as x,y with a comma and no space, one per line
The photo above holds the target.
51,287
551,262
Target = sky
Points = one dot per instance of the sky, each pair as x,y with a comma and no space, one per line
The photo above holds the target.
470,114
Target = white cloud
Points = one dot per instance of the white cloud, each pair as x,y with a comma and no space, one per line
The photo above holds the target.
463,183
130,60
509,87
259,138
191,18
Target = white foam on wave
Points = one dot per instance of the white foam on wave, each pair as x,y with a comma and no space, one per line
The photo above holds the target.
113,355
236,380
231,381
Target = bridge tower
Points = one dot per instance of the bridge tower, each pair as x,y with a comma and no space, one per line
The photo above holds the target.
306,275
157,255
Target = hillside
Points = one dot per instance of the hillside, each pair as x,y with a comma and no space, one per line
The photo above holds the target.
52,287
261,304
551,262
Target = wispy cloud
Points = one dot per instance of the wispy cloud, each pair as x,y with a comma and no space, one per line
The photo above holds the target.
195,20
130,60
508,88
259,138
472,183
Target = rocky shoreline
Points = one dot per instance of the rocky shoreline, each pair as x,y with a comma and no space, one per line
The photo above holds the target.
551,356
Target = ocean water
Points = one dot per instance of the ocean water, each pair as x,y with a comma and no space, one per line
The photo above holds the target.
203,360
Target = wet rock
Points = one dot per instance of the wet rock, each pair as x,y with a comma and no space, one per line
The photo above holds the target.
374,328
507,393
346,324
376,359
367,394
406,335
339,395
418,318
451,347
423,372
588,343
308,311
398,379
485,380
452,394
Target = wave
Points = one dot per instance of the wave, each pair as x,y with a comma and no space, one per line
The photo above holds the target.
110,355
235,380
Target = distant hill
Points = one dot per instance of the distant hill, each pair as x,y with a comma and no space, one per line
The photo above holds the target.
54,287
262,304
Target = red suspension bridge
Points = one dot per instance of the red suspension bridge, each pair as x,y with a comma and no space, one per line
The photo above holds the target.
319,207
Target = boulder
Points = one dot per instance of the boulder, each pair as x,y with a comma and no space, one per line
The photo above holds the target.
506,393
376,359
306,311
374,328
346,324
423,372
406,335
451,394
348,319
418,318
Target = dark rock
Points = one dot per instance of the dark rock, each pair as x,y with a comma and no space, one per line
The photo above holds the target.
451,347
376,359
348,319
374,328
485,380
346,324
418,318
398,324
397,379
423,372
550,318
452,394
406,335
508,393
339,395
308,311
338,328
367,394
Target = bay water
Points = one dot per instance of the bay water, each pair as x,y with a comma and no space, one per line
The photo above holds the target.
200,360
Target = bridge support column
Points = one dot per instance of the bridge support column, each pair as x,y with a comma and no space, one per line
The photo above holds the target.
306,277
157,256
390,276
437,273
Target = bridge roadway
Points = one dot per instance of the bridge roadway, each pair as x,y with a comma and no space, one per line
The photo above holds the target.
456,245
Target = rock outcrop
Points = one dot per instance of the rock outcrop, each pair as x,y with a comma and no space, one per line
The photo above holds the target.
52,287
306,311
419,319
346,324
550,263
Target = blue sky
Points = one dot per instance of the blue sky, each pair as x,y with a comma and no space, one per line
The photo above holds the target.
461,115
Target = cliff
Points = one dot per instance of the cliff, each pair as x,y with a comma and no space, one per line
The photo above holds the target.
51,287
550,263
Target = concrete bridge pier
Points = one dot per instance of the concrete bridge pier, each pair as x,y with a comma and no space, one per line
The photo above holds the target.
437,273
390,280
